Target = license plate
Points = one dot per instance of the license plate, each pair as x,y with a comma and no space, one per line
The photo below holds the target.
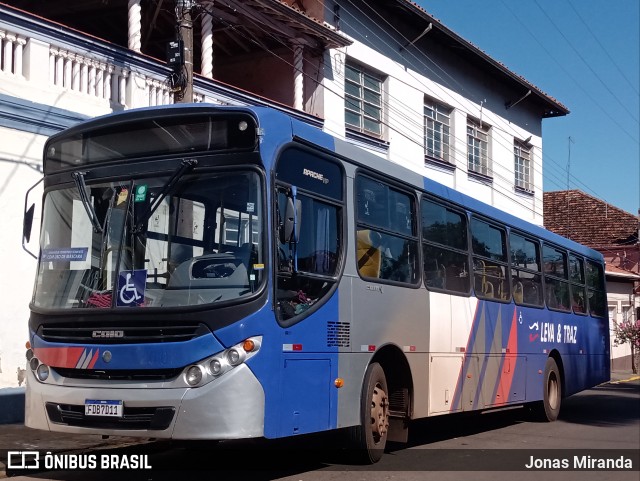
99,407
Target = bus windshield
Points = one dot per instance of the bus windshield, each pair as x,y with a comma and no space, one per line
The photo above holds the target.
151,242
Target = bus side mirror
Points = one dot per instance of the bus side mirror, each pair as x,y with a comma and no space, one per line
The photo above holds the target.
27,224
290,231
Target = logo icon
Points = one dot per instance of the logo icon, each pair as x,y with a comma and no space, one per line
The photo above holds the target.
131,285
23,460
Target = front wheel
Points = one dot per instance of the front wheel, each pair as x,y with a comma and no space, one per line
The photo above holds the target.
370,437
549,408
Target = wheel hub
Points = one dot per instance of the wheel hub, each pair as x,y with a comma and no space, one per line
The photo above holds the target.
379,413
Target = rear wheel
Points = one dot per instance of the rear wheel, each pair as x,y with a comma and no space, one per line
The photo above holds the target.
549,408
370,438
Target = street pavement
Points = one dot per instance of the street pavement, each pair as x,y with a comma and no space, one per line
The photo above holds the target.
17,437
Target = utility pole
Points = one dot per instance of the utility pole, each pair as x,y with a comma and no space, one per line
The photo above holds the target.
183,90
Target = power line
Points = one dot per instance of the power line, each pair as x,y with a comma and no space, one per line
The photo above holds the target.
464,109
585,62
595,37
595,102
497,187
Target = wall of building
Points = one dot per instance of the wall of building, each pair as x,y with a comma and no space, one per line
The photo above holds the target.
621,302
411,74
20,159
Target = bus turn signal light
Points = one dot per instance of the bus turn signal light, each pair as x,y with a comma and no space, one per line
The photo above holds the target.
339,382
248,345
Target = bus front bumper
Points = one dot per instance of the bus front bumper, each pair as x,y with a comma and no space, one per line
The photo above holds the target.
230,407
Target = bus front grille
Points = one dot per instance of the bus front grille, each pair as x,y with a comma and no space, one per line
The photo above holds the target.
150,418
119,374
70,333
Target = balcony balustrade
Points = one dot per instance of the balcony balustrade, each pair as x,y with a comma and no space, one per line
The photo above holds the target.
47,64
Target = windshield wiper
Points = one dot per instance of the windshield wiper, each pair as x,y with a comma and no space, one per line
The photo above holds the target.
185,165
78,178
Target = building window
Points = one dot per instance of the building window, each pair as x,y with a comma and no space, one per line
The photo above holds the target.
437,119
477,144
522,166
363,100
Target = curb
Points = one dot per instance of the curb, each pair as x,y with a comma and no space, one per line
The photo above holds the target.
12,402
632,378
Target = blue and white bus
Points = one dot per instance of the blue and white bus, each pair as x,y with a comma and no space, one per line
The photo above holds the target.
214,273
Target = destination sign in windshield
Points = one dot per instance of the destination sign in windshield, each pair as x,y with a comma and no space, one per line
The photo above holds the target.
150,137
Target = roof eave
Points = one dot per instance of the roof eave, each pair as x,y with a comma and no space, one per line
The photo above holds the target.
331,37
553,108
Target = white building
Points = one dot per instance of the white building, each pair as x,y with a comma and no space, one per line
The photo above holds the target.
382,74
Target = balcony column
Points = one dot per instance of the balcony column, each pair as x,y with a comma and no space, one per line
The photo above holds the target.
135,25
8,53
122,87
298,76
75,74
59,77
100,67
108,83
52,65
21,42
67,65
92,78
207,41
84,76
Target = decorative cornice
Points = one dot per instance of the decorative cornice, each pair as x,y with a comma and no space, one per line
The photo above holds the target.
41,119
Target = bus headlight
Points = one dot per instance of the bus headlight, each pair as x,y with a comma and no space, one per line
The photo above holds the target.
193,375
42,372
33,363
219,364
215,367
235,356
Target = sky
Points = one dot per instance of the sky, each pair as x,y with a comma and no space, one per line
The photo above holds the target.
583,53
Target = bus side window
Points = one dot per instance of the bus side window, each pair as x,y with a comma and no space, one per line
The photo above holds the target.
307,262
444,248
386,238
578,291
595,289
525,270
489,245
556,279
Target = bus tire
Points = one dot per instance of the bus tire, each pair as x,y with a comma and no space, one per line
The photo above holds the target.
549,408
370,437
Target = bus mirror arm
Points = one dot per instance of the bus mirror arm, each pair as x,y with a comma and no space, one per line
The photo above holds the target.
292,221
27,223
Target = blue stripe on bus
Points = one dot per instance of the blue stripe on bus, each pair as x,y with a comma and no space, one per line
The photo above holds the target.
539,332
300,396
169,355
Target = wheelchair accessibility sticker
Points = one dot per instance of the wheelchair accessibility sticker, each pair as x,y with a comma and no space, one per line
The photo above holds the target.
131,286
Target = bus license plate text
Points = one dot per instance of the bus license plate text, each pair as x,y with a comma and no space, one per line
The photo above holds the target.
103,408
